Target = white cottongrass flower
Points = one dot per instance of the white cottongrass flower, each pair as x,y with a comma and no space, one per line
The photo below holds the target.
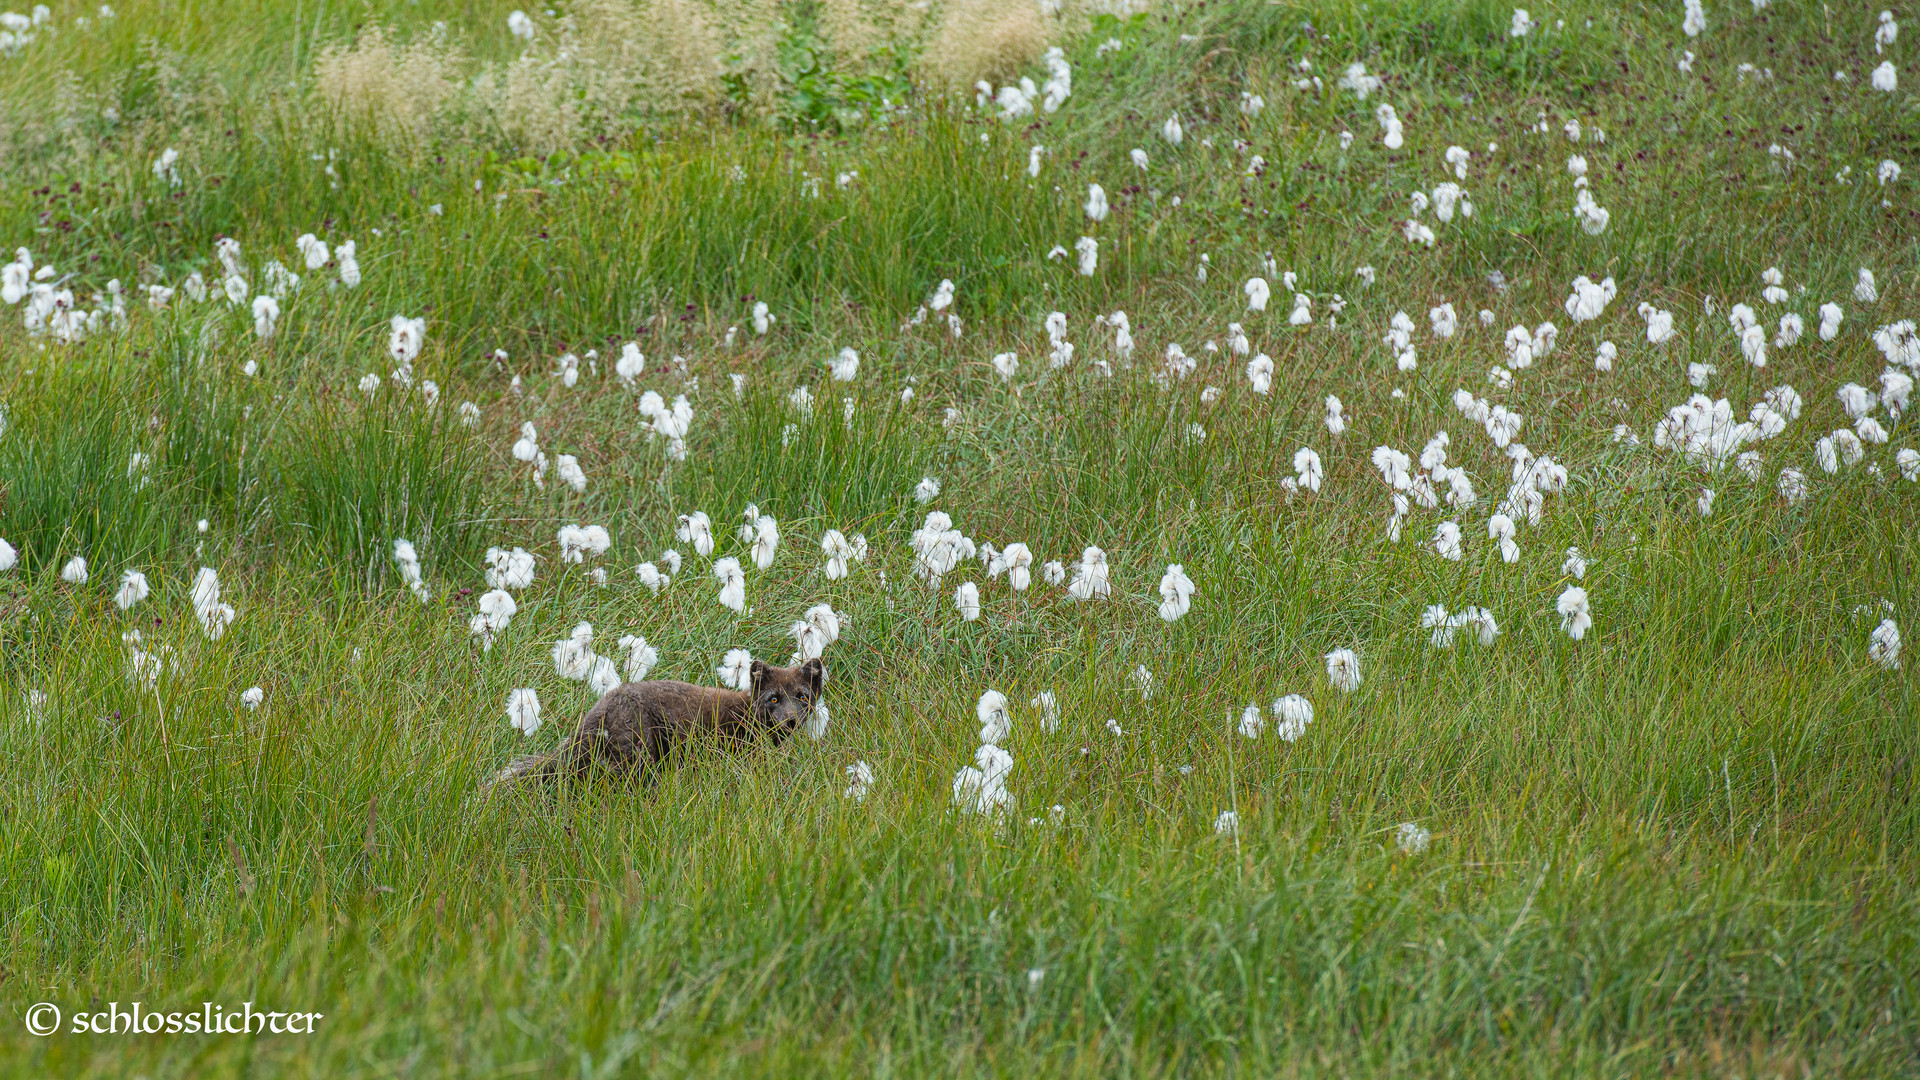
1694,20
1252,722
1357,80
818,628
1457,157
1091,577
736,670
1309,472
523,710
251,697
1048,706
214,615
1343,670
1865,289
344,255
404,339
1227,824
1096,203
1176,593
1883,645
407,560
927,490
1391,135
1576,617
568,466
1593,217
1257,293
733,584
1886,77
1016,561
1260,373
980,788
859,781
1007,364
1659,324
1291,715
1336,417
766,542
8,556
651,575
641,657
75,572
696,529
834,545
1830,318
996,722
573,655
632,362
763,318
266,316
845,366
1088,251
673,423
1143,681
1302,314
509,569
1411,838
1500,527
577,543
1576,564
1172,131
527,446
1446,541
497,609
966,600
133,589
1522,24
604,677
1792,485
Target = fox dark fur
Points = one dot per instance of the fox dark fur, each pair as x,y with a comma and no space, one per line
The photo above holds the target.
637,723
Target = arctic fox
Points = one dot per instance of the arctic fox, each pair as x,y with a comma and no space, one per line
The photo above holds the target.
636,723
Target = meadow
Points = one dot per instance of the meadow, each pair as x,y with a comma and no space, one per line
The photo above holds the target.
1407,578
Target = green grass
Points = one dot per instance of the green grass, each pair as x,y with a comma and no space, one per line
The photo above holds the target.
1680,847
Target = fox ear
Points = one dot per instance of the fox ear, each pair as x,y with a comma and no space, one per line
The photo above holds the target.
816,674
758,670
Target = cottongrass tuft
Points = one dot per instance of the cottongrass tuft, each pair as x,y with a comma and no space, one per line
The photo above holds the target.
1291,715
1576,617
736,669
1883,645
996,721
523,710
133,589
1411,838
1343,670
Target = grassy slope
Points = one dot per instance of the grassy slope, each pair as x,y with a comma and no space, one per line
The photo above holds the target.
1680,846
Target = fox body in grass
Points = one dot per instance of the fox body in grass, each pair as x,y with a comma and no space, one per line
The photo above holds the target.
637,723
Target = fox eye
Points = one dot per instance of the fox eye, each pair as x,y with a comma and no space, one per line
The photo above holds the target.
774,700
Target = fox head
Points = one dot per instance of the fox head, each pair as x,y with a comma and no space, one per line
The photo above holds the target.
783,698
